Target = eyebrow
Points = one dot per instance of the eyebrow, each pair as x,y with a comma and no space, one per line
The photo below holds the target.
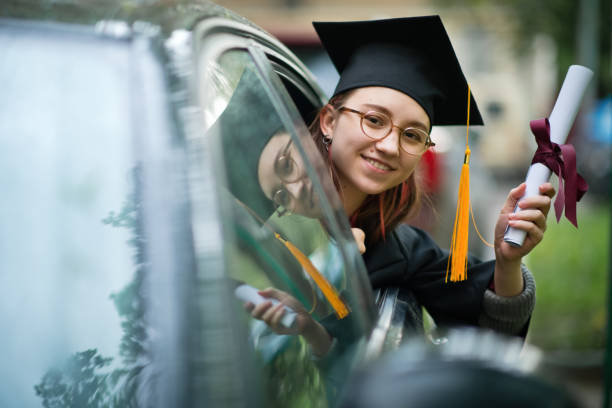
414,123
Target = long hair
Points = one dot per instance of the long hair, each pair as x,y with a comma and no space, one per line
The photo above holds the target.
379,213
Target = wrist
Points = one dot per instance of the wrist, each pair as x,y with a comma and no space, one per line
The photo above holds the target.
507,266
508,278
315,334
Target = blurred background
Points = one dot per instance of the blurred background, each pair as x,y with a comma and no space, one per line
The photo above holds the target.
515,54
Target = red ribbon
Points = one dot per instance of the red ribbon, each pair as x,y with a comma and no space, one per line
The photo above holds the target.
561,160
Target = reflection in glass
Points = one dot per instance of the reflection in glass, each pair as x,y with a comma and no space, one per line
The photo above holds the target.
277,235
71,313
89,379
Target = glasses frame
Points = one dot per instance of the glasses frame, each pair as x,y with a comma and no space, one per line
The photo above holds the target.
428,142
279,208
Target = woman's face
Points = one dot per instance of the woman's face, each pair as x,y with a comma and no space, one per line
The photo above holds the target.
283,179
367,166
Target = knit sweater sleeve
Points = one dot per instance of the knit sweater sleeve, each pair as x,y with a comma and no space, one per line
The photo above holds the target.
509,314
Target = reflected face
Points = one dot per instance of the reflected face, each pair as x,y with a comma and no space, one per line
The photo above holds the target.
283,179
367,166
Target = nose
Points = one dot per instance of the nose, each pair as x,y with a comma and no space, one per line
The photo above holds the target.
389,144
299,190
295,188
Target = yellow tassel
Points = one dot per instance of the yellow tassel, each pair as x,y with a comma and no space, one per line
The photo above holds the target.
328,290
457,260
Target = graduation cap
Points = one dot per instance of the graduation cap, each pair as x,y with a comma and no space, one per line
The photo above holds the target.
413,55
246,126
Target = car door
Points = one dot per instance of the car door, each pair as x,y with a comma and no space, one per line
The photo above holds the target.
254,98
95,247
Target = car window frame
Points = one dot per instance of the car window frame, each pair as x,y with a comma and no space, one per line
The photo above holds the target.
225,38
215,36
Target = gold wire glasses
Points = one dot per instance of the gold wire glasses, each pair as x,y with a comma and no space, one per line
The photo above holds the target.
288,171
377,126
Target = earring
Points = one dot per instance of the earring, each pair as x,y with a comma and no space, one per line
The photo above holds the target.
327,141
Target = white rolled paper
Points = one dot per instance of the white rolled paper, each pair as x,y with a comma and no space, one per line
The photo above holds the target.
561,120
248,293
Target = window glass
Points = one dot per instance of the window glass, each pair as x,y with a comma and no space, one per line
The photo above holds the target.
70,258
281,230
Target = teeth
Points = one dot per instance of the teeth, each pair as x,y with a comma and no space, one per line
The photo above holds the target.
378,165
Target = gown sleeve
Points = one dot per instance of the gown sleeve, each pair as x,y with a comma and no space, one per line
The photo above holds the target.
409,258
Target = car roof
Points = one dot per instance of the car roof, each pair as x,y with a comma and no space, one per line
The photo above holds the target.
168,15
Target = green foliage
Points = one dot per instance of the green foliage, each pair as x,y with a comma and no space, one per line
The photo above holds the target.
82,381
570,267
78,383
128,302
293,378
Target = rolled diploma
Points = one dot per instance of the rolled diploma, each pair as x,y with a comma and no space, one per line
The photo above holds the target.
561,120
248,293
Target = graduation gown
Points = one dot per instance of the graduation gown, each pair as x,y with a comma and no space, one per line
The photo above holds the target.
410,259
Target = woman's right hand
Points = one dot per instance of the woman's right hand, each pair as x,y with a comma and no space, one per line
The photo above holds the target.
305,325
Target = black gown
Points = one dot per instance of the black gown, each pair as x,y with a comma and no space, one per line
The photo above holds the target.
410,259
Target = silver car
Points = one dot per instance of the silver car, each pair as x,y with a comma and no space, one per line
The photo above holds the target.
136,200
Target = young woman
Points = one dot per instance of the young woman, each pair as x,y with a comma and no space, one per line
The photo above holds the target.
398,78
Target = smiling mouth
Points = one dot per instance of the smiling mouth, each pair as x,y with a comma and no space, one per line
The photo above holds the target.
377,164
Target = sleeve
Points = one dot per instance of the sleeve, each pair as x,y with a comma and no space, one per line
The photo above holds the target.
509,314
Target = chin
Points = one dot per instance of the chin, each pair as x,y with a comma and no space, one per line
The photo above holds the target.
374,189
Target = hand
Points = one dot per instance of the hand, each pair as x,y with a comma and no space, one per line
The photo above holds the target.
320,341
530,218
359,236
272,314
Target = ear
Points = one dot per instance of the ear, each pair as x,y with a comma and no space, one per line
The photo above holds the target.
327,120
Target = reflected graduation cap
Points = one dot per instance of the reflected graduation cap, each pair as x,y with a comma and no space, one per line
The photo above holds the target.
245,127
413,55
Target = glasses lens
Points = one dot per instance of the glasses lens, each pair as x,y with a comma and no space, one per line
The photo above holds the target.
413,141
375,124
282,198
286,168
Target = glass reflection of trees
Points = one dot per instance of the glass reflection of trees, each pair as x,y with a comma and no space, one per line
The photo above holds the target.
88,379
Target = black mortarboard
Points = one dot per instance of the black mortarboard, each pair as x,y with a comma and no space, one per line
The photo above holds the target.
413,55
246,125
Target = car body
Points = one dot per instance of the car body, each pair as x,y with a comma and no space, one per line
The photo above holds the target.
131,168
121,244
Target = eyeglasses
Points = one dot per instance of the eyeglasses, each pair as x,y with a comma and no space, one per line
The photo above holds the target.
377,126
288,171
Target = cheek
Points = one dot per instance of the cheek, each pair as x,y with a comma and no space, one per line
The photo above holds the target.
409,165
343,155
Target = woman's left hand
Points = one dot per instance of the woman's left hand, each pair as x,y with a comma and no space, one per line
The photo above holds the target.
359,236
530,218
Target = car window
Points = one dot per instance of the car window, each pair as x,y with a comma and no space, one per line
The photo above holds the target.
283,229
94,244
69,311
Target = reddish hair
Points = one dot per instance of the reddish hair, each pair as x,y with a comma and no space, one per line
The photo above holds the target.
380,213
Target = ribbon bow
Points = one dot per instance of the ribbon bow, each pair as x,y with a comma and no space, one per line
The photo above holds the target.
561,160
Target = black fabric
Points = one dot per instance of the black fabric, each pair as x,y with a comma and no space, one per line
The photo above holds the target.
413,55
410,259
